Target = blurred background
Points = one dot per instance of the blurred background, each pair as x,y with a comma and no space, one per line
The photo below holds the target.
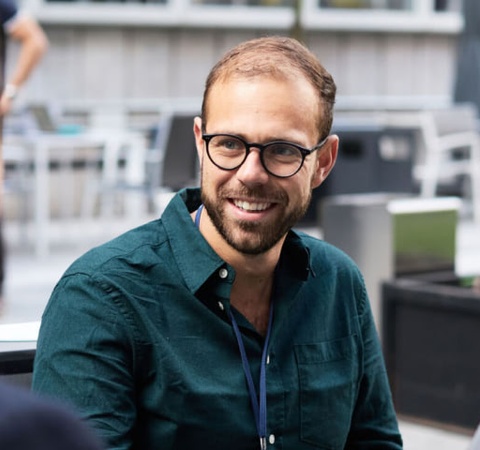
100,138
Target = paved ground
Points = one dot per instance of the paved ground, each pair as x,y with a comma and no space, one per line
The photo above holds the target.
30,281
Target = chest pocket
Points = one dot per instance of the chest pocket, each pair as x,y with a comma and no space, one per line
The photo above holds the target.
328,375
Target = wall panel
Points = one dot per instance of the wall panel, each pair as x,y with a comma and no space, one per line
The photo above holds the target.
117,63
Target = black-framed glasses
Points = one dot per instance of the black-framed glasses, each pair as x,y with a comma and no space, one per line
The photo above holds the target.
281,159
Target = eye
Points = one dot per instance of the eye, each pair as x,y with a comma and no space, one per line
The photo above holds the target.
228,143
283,150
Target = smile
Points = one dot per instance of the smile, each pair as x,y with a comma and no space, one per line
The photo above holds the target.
250,206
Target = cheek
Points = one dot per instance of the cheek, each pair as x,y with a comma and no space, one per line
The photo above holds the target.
300,191
309,179
308,183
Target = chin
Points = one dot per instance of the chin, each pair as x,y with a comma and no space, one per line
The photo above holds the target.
254,243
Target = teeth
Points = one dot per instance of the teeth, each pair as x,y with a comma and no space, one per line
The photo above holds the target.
247,206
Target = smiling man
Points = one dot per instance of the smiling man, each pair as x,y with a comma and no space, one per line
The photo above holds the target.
218,326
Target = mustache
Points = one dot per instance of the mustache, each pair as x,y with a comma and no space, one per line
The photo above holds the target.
255,193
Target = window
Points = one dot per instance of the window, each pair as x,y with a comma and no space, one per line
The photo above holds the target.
245,2
392,5
402,16
107,1
367,4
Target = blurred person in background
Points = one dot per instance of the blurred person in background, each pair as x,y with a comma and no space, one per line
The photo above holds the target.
26,31
30,423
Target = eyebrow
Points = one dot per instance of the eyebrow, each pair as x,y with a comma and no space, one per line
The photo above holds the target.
263,141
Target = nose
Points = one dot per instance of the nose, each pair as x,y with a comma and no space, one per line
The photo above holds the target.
252,170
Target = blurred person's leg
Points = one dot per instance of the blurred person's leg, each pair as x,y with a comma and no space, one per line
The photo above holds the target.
2,244
2,263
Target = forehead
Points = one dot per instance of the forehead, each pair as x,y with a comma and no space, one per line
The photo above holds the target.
262,101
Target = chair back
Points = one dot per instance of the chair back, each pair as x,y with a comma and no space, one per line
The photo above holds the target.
457,119
175,142
451,150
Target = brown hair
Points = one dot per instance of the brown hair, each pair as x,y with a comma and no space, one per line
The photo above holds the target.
276,56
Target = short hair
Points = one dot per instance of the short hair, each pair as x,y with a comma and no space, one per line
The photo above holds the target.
280,57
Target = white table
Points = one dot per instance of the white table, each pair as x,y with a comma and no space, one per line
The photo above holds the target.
18,344
42,147
24,332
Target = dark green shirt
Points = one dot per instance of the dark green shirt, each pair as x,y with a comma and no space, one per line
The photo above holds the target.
137,337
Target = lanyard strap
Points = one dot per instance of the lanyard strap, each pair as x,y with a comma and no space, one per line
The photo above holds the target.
198,215
259,405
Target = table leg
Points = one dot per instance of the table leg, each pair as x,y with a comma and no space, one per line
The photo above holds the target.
42,200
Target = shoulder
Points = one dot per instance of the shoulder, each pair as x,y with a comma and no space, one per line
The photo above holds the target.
138,247
325,256
28,422
334,270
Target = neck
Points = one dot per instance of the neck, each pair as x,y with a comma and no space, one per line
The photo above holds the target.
252,296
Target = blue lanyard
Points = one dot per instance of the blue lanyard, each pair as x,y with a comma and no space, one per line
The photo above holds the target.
259,405
198,215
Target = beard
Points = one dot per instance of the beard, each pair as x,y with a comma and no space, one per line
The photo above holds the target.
252,237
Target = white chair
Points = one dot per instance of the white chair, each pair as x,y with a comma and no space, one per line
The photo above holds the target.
121,183
451,142
119,187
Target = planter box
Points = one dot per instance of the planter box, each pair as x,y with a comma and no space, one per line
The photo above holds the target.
431,339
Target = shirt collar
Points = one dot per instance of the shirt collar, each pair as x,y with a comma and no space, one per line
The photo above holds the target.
193,255
295,256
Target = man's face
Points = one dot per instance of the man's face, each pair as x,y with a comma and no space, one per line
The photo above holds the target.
251,209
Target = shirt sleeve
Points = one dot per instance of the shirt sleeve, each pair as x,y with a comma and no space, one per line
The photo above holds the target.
8,11
374,424
84,357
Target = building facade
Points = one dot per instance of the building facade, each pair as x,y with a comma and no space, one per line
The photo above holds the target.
104,51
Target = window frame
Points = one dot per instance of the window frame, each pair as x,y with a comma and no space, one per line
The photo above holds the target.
182,13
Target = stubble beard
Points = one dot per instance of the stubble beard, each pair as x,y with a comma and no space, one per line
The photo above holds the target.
247,237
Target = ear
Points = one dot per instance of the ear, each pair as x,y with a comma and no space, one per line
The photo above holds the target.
326,158
199,142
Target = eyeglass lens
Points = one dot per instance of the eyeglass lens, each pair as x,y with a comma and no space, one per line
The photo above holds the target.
281,159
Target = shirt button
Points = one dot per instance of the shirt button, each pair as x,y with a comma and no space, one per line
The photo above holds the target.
223,273
271,439
268,359
220,305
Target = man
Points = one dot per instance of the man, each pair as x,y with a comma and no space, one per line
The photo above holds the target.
217,326
29,423
33,44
